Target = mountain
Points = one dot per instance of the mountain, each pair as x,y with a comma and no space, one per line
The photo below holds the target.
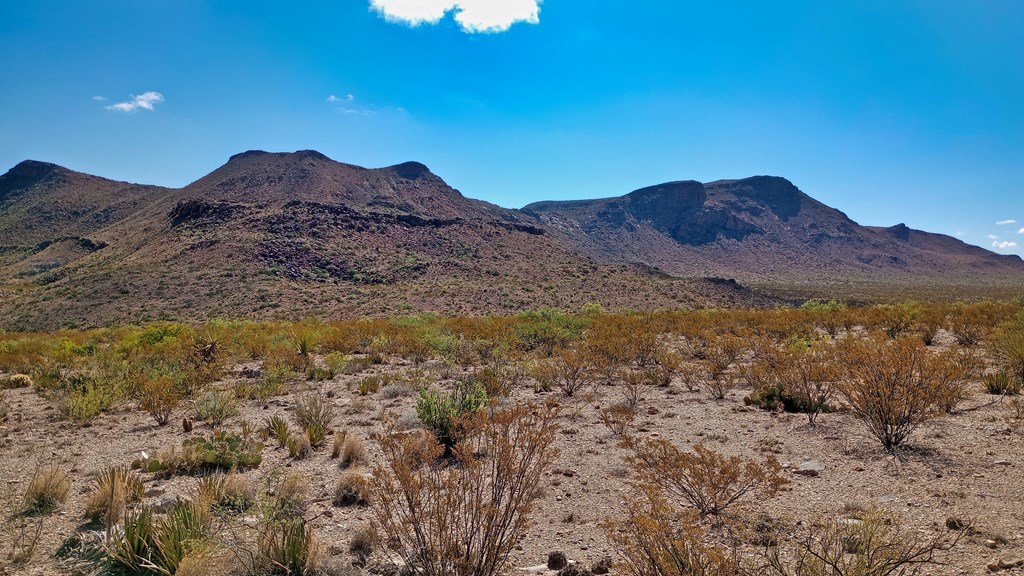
297,234
765,232
292,235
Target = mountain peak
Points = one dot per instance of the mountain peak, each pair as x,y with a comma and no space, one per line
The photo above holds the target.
27,174
410,170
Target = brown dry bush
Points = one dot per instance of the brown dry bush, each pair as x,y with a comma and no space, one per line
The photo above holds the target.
893,386
657,539
463,518
705,479
718,356
877,544
569,370
47,490
618,417
160,398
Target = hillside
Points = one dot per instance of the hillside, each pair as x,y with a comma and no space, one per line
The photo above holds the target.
764,231
291,235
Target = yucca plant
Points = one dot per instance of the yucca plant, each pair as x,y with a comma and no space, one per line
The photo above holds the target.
112,490
289,547
277,427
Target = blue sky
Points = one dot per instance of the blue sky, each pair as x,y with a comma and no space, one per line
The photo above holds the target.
892,111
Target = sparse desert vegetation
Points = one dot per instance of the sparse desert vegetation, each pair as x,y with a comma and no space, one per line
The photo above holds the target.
820,440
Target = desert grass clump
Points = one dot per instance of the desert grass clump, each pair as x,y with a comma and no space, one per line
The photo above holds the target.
351,451
892,386
112,490
231,492
216,407
151,546
288,547
277,427
47,490
299,446
5,408
352,488
314,415
290,496
1001,383
15,381
876,543
705,479
463,518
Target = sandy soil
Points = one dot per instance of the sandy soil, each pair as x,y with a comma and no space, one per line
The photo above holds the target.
969,464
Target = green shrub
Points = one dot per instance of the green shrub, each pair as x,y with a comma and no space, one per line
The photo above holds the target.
216,407
288,547
277,427
441,412
314,412
148,546
1002,382
81,399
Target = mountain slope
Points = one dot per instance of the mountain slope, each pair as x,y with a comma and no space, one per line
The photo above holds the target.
291,235
764,231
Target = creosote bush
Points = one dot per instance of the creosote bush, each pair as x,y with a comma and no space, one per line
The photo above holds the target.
463,518
893,386
705,479
876,544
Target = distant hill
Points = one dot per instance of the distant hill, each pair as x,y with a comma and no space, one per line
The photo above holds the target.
292,235
765,232
297,234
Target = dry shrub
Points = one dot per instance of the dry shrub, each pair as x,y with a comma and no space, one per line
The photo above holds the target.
350,450
314,410
352,488
160,398
705,479
656,539
231,492
893,386
47,490
466,517
15,381
801,378
569,370
876,544
290,496
719,354
112,489
289,547
618,417
299,446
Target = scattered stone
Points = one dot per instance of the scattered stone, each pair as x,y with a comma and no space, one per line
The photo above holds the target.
557,560
991,544
165,504
1002,462
602,566
810,468
574,570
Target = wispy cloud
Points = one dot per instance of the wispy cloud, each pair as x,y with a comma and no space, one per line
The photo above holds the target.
347,98
993,237
1021,231
1005,222
959,234
473,16
144,101
100,98
1004,245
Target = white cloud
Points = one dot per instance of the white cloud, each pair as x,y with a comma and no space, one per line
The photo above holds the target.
1004,245
959,234
100,98
1021,231
144,101
471,15
993,237
1005,222
347,98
